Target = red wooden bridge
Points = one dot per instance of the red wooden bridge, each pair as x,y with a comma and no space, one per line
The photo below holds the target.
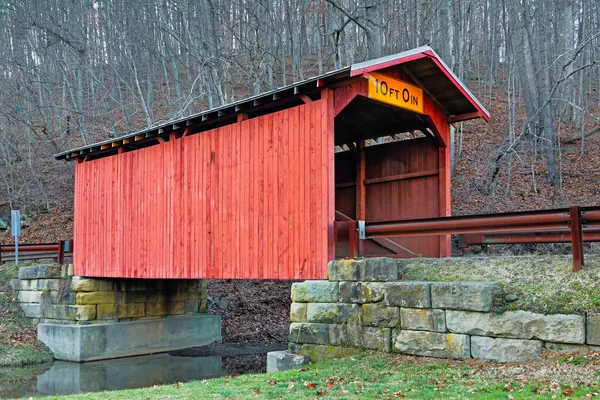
252,189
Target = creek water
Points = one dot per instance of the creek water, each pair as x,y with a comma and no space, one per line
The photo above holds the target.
61,377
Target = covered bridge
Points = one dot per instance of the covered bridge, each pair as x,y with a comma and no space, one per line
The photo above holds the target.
251,190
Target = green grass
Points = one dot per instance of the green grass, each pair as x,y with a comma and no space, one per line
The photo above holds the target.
18,345
543,284
370,376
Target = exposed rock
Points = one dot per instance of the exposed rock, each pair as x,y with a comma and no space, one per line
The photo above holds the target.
593,329
331,313
315,292
361,292
377,338
298,312
433,344
368,269
505,350
423,319
408,294
470,296
380,315
518,325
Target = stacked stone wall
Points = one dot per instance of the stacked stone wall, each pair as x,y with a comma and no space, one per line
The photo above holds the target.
50,294
362,305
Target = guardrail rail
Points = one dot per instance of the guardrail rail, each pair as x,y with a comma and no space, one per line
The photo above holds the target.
30,252
575,224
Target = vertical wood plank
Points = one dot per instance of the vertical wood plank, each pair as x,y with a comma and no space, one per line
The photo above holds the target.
314,188
294,202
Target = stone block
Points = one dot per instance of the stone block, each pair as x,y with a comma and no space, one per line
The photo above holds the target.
343,270
377,338
85,298
315,292
566,348
70,270
32,310
433,344
319,352
337,335
379,269
27,296
106,311
377,314
408,294
423,319
79,284
593,329
190,306
519,325
284,360
143,296
174,307
68,312
28,273
203,303
15,284
361,292
85,313
48,271
156,309
48,284
105,285
193,294
136,310
298,312
67,298
505,350
349,292
309,333
294,348
331,313
64,312
81,343
468,296
173,295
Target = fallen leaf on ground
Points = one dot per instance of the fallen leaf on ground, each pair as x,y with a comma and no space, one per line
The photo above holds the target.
309,385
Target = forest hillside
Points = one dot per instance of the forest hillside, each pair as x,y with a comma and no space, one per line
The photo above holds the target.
76,73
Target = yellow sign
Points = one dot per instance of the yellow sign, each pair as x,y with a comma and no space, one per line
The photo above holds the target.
395,92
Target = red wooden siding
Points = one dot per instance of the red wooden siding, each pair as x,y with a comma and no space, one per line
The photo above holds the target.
251,200
401,182
397,195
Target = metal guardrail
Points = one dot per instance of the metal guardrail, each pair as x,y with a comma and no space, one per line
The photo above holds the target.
574,224
58,251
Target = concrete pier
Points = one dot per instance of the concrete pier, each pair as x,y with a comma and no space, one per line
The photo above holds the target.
80,343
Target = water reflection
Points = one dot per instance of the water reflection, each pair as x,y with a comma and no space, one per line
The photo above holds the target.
126,373
123,373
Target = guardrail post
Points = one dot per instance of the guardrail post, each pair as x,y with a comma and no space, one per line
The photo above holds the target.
60,258
353,238
576,238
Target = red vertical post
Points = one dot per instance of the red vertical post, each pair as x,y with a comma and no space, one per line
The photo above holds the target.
60,258
361,197
353,239
445,191
576,238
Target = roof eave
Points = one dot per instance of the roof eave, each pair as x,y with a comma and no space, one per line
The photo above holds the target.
416,54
